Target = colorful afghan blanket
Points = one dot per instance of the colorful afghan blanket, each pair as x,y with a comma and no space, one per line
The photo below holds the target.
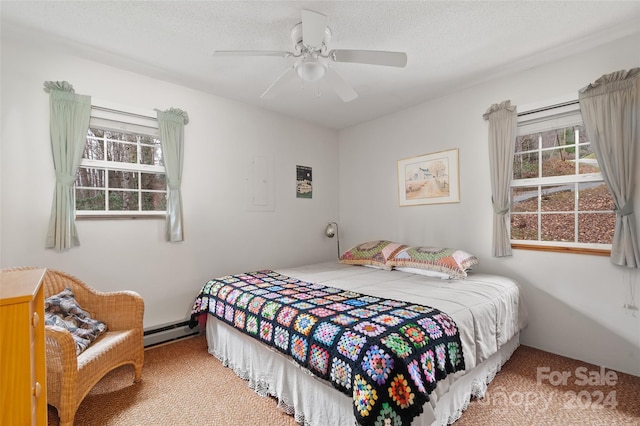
386,354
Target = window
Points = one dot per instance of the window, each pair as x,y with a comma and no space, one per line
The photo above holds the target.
122,169
558,196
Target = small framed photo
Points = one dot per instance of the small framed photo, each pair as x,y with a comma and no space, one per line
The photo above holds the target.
429,179
304,182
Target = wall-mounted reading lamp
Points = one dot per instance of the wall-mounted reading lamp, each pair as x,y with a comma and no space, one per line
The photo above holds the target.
332,230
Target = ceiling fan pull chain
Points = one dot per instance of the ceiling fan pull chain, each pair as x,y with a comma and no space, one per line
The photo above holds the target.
318,94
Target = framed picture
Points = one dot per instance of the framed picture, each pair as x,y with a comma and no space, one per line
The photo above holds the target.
304,182
429,179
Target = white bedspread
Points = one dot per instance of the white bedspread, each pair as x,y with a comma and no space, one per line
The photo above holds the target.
487,308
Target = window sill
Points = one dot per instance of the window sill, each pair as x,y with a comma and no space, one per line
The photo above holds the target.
558,249
120,215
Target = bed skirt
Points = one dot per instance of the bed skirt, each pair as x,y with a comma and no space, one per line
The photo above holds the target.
271,373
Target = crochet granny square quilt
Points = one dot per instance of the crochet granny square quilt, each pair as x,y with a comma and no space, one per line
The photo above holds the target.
386,354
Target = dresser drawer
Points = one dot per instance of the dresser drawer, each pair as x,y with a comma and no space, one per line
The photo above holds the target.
22,351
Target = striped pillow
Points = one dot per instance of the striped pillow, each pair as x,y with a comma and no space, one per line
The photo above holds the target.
373,253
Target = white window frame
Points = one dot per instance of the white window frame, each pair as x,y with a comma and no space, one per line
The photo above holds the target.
110,116
556,114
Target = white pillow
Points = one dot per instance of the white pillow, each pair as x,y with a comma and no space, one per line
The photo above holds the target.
426,272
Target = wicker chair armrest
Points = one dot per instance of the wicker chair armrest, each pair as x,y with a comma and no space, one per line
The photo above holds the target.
61,350
120,310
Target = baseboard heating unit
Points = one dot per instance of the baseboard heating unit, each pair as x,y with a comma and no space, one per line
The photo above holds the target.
168,332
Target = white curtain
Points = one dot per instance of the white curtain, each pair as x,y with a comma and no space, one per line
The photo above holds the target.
611,112
171,125
68,124
503,119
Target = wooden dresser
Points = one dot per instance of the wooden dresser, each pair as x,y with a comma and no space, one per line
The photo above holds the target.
23,387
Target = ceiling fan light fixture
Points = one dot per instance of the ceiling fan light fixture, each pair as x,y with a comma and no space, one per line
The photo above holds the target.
311,70
310,39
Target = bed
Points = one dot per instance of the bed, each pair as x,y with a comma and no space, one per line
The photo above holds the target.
486,309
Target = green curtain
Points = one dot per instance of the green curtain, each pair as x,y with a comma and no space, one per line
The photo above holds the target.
171,125
503,119
68,125
611,112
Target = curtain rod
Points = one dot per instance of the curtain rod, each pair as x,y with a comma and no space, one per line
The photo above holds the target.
563,104
116,111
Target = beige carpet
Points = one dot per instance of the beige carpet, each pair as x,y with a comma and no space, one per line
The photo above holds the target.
183,385
538,388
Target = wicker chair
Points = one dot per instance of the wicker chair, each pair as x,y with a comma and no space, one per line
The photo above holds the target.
71,377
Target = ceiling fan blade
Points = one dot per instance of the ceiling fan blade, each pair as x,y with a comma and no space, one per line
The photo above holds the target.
313,27
252,53
373,57
285,77
341,87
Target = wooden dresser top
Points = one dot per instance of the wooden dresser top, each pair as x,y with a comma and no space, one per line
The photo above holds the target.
19,286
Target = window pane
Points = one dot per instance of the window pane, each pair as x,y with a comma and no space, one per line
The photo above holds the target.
153,181
565,137
125,137
89,199
151,155
90,177
123,200
565,140
524,199
557,227
556,163
121,152
548,139
98,133
525,165
527,143
588,162
121,179
524,227
93,149
594,196
596,227
582,131
154,201
148,140
558,198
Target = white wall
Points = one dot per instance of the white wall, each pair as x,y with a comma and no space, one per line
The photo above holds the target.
575,301
221,237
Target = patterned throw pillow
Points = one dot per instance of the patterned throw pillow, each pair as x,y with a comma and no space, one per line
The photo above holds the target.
62,310
373,253
437,262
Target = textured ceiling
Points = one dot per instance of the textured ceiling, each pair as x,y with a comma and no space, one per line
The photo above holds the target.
450,44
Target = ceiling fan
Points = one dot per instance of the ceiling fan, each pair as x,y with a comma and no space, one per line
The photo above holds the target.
310,39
